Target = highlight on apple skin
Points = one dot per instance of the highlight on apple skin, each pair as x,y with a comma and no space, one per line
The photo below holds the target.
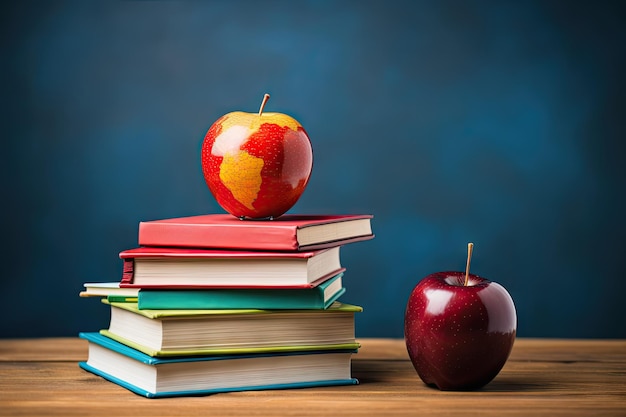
459,336
257,165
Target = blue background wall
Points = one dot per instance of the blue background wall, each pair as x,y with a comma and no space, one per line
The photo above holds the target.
500,123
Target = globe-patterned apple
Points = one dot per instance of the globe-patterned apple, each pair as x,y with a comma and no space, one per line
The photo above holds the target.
257,165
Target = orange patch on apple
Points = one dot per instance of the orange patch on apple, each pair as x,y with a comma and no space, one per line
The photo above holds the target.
241,174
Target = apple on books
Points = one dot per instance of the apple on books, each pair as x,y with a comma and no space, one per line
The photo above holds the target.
459,329
256,165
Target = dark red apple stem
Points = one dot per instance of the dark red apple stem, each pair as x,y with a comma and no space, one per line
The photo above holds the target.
265,98
470,248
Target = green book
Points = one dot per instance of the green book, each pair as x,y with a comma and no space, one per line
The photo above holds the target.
236,331
319,297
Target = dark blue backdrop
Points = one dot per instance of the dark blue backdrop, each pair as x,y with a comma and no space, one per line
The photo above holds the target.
500,123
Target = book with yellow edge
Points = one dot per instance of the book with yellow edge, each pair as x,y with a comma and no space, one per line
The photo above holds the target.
232,331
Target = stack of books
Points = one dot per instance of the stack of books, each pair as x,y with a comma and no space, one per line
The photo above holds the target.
212,304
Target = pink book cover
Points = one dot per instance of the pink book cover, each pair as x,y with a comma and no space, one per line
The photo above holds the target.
228,232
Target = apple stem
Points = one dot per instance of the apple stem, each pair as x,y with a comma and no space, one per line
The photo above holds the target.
265,98
470,248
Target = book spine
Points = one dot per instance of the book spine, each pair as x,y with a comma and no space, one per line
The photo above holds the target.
128,271
240,237
309,299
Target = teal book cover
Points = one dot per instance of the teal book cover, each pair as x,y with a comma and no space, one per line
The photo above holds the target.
319,297
202,375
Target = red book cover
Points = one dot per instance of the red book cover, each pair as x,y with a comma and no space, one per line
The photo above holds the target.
286,233
154,267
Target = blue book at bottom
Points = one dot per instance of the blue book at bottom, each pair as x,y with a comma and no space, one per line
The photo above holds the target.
201,375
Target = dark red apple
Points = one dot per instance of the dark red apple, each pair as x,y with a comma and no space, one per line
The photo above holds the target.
256,165
459,335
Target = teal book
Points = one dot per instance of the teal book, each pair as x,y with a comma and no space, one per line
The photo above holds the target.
318,297
170,333
202,375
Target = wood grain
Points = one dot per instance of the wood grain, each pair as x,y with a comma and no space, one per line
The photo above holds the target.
40,377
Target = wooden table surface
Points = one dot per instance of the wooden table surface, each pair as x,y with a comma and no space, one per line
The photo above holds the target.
40,377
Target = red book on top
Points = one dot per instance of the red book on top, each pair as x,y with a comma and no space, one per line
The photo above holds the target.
153,267
289,232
